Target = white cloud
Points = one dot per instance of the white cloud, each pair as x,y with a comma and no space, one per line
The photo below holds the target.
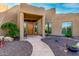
71,5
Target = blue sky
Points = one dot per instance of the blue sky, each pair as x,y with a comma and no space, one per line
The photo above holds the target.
11,4
66,24
67,8
60,7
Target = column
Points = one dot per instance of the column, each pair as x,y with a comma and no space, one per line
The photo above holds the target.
43,26
21,26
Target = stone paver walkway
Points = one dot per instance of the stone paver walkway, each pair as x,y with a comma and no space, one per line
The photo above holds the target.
39,47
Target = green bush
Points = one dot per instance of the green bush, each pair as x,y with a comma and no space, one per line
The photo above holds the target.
68,34
67,31
11,29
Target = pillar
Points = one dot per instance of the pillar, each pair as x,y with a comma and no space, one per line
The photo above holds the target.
21,26
43,26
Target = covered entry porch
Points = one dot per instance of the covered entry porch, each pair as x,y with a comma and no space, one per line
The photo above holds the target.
31,24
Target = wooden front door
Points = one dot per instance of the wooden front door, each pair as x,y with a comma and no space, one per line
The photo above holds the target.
30,28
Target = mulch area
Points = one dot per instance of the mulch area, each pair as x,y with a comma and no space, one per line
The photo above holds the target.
16,48
58,45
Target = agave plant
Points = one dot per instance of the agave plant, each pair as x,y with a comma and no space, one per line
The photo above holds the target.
11,29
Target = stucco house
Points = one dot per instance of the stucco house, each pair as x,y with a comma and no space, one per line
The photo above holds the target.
28,18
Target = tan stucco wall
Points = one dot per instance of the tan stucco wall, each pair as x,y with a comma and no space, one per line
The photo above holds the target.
49,17
60,18
9,15
29,9
39,26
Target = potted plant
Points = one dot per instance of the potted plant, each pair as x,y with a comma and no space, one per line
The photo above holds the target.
11,30
73,47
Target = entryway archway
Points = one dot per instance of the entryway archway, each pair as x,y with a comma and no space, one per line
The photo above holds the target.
32,24
40,19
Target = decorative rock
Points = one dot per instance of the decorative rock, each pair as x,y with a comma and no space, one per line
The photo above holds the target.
77,44
65,50
1,38
8,39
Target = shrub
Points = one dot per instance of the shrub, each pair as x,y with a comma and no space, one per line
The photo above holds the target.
11,29
68,34
67,31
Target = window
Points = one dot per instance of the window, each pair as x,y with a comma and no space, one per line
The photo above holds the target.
67,29
25,27
48,28
36,27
